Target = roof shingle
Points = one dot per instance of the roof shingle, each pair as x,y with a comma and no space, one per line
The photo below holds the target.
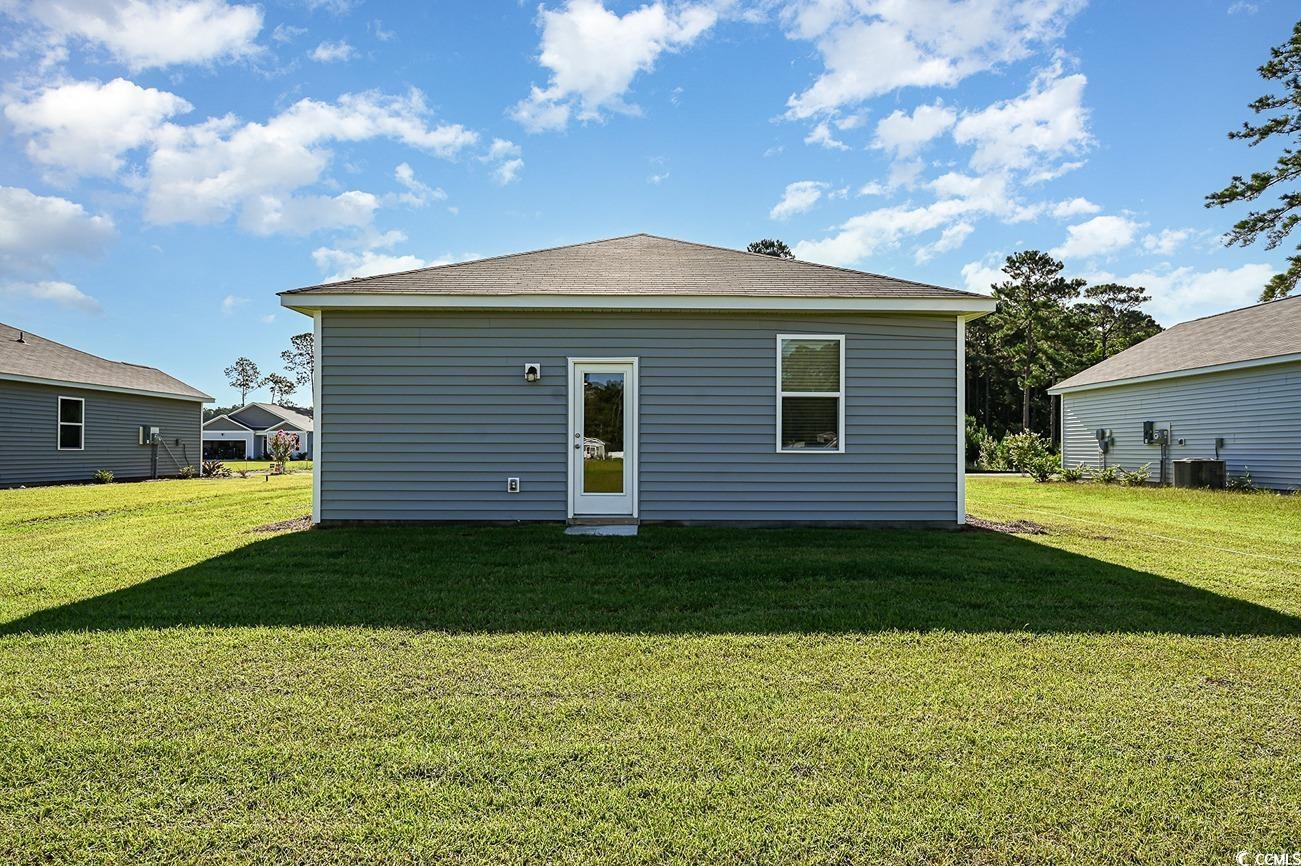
639,264
38,358
1250,334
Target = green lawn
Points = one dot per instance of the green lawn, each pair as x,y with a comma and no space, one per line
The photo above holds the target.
603,476
264,465
175,688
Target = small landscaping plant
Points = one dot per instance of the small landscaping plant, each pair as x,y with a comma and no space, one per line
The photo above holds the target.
215,469
1138,477
1105,475
1242,483
187,472
103,476
1078,472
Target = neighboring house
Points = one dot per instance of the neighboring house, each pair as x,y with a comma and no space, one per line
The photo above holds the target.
738,388
1227,386
242,434
65,414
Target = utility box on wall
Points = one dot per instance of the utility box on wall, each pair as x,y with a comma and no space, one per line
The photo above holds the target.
147,434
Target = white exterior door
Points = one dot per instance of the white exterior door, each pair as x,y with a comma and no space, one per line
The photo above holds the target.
603,438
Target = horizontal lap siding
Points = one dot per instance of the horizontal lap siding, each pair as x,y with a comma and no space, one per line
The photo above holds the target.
1256,411
425,416
28,428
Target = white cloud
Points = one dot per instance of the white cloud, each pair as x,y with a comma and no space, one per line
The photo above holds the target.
821,134
594,54
85,127
35,232
417,194
960,199
508,158
1166,241
348,263
950,239
1044,124
54,291
231,303
981,276
146,34
35,229
1185,293
869,49
1074,207
798,198
333,52
1095,237
207,172
285,33
267,319
657,179
872,187
903,134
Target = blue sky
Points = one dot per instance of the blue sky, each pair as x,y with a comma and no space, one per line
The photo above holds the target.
167,166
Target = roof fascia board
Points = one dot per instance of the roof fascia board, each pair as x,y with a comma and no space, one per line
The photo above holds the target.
113,389
306,303
227,417
1180,374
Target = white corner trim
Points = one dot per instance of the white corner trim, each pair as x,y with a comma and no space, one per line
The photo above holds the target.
317,415
961,376
1181,374
306,303
87,386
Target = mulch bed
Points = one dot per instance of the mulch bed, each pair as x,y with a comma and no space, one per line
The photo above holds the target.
1016,527
298,524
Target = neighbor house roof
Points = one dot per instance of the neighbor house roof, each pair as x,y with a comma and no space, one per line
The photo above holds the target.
1264,334
298,419
633,267
285,414
26,357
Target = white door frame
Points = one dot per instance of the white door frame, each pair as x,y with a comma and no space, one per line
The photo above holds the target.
631,445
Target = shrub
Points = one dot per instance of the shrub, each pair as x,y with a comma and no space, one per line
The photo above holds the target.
1138,477
187,472
977,437
1105,475
282,445
1043,468
103,476
1028,450
215,469
1243,483
1077,473
993,456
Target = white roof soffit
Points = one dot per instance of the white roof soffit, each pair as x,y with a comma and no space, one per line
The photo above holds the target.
972,307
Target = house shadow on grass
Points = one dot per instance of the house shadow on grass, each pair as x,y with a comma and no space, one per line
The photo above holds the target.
665,581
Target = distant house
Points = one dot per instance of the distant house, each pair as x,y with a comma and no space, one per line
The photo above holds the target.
1227,386
65,413
242,434
639,379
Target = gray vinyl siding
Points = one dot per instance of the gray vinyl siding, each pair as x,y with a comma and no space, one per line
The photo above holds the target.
29,445
1257,411
424,416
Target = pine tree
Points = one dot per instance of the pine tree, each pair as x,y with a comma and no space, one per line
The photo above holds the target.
1031,321
1277,222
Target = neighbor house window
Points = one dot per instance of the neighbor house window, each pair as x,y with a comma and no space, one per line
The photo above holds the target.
810,393
72,423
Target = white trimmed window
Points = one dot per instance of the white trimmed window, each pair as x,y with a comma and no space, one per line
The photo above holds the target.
72,423
811,393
